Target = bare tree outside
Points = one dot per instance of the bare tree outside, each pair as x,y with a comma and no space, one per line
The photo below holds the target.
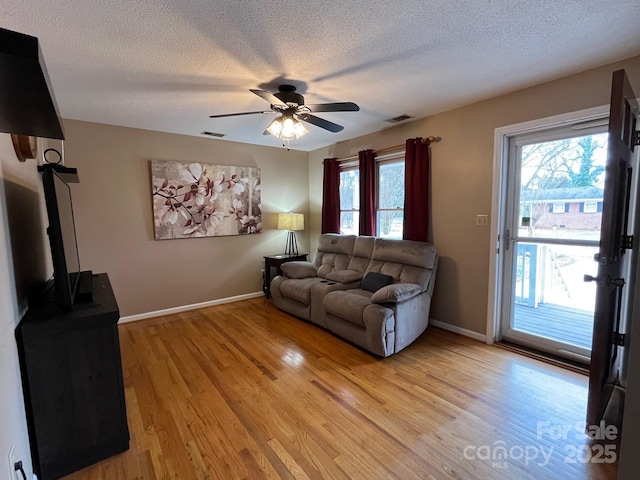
390,199
571,163
349,201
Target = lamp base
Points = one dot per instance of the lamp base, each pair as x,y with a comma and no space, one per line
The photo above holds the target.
291,248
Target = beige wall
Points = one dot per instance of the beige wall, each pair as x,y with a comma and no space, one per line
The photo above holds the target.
114,218
315,195
462,170
23,262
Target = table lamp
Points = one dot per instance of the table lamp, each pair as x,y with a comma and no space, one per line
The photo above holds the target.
292,222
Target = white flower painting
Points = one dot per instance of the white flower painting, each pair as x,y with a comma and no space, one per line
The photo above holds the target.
203,200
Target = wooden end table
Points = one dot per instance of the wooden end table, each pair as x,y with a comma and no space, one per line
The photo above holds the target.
275,261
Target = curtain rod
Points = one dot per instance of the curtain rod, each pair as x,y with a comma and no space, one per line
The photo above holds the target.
428,140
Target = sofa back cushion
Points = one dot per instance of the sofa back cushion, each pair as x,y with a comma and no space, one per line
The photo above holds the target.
334,253
404,260
362,249
407,252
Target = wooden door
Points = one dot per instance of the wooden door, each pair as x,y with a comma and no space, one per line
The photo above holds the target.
615,240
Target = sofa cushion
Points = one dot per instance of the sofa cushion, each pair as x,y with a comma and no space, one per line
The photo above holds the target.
298,269
374,281
298,289
334,243
394,270
361,254
348,304
396,293
328,262
405,252
334,253
344,276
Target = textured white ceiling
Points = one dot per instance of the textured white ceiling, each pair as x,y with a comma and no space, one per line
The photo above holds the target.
168,64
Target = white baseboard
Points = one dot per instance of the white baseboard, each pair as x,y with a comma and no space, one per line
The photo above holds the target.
458,330
186,308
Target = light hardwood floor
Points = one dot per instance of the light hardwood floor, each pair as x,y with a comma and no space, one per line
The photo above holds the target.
244,391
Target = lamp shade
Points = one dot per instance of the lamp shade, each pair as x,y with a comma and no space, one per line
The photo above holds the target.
291,221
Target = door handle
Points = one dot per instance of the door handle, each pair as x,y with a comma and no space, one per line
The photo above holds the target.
591,278
605,282
508,240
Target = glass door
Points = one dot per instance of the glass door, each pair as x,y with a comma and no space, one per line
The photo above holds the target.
554,216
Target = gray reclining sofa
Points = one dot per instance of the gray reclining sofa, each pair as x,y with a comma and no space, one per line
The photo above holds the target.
373,292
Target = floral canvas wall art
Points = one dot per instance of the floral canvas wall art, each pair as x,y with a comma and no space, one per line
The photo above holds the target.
204,200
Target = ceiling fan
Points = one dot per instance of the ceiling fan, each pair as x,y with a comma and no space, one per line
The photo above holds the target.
291,107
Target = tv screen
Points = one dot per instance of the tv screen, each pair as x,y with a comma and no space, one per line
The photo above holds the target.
62,236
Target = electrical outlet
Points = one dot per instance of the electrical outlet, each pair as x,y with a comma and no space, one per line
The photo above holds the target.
482,220
12,460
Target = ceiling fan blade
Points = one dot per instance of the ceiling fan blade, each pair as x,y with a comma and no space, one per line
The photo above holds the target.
269,97
321,122
334,107
237,114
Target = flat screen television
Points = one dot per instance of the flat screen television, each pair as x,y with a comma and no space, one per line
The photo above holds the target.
62,233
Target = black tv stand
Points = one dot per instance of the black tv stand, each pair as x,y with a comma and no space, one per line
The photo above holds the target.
84,290
72,381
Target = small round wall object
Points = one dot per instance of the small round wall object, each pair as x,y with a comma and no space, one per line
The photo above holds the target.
49,156
25,146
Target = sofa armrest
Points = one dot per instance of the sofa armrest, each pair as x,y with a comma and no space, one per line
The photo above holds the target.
344,276
299,270
396,293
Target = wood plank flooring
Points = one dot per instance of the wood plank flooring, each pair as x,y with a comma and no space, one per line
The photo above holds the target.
244,391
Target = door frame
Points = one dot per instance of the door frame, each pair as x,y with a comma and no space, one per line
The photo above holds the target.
508,331
498,197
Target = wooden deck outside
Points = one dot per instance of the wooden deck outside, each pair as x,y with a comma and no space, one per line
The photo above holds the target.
565,324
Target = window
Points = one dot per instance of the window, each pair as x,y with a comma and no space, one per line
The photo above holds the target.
590,207
390,198
558,207
349,201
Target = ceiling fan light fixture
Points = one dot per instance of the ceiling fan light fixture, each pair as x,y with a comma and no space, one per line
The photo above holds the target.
275,127
286,128
291,109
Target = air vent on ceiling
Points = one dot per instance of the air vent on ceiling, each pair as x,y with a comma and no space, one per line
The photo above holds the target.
213,134
400,118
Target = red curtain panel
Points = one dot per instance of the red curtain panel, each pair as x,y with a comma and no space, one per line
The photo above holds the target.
331,196
367,167
416,196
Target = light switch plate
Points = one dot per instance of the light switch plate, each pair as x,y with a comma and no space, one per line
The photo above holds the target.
482,220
